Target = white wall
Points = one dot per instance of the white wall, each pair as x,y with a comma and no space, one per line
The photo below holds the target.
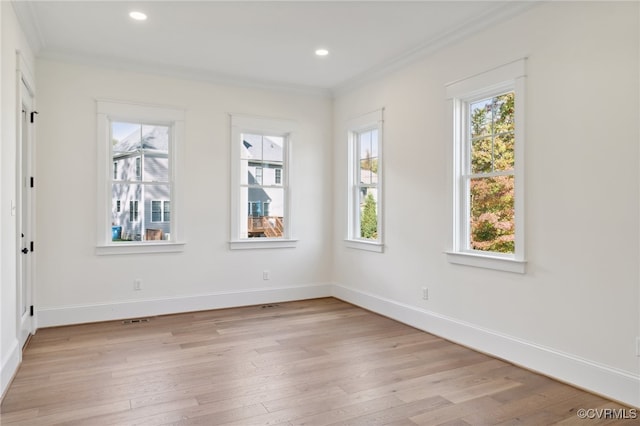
12,39
75,285
575,314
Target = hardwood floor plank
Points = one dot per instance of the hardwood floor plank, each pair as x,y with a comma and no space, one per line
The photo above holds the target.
311,362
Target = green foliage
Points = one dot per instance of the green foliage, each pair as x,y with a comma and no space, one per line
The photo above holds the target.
369,163
492,214
492,198
369,219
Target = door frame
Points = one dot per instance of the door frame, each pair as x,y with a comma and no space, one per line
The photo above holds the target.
25,201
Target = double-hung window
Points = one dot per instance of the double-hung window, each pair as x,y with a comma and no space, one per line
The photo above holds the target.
261,183
139,153
364,229
488,165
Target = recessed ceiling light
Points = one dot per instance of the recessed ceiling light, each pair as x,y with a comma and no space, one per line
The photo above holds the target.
138,16
322,52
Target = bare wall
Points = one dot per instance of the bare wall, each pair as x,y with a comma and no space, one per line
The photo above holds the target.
580,294
70,274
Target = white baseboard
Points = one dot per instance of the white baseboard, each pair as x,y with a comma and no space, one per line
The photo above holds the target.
609,382
9,367
66,315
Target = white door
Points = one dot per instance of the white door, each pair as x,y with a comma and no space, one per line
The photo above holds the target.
25,214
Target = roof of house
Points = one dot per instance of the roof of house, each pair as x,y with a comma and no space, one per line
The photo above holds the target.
262,148
146,137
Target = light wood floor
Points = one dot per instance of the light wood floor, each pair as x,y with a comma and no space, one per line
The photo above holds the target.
313,362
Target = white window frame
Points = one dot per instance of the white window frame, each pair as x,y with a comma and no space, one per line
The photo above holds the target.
269,127
165,210
107,112
505,78
367,122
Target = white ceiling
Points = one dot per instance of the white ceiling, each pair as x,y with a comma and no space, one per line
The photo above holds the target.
267,43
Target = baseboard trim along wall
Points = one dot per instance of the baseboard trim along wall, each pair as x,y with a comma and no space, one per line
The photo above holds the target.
66,315
609,382
612,383
9,367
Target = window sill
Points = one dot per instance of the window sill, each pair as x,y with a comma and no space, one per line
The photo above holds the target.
373,246
486,261
269,243
138,248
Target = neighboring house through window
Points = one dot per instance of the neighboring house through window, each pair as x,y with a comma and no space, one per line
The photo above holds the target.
488,118
143,144
364,229
261,211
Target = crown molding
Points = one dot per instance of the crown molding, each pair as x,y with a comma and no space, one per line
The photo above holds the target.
185,73
26,15
493,15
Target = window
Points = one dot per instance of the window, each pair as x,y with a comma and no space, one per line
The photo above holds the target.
365,182
488,117
138,163
160,211
261,212
133,212
144,145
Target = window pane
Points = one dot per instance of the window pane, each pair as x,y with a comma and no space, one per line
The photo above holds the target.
125,225
481,155
262,159
369,213
140,149
368,156
251,147
265,213
492,134
503,113
492,214
503,152
154,227
480,118
156,211
272,151
144,212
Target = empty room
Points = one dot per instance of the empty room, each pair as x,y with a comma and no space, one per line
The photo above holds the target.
319,212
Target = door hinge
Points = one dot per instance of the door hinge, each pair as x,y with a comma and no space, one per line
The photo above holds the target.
32,182
31,246
31,310
33,115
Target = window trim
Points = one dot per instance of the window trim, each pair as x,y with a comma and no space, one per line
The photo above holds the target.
508,77
108,111
371,121
262,126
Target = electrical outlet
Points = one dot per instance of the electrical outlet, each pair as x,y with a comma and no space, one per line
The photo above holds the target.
425,293
637,346
265,275
137,284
